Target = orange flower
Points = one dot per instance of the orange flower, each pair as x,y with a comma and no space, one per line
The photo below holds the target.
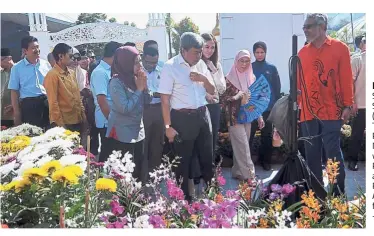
332,170
219,198
310,201
263,223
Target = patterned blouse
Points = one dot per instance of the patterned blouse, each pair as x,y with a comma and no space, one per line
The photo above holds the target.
230,108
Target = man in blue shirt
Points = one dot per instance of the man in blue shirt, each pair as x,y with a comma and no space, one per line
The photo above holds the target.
153,121
99,82
28,94
262,67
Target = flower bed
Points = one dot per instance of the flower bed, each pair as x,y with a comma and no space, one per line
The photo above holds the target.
48,181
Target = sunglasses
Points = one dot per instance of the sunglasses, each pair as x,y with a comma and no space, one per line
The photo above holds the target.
308,26
75,57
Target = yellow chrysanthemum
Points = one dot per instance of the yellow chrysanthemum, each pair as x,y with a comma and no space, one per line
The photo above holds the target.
51,166
15,144
65,176
77,170
69,133
21,184
35,173
10,185
103,184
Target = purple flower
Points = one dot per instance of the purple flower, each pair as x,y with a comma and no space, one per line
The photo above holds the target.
116,208
276,188
221,180
273,196
156,221
288,189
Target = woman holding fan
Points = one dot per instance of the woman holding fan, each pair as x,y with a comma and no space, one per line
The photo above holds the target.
238,81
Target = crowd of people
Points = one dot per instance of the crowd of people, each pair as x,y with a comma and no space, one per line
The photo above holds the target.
133,102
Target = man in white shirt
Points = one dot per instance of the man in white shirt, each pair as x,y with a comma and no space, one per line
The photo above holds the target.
152,116
185,80
358,63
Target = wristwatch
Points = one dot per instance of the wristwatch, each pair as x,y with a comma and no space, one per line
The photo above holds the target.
167,126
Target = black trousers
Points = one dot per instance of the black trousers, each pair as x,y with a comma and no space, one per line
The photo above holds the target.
137,152
266,148
194,128
35,111
94,136
74,127
215,116
7,123
357,136
154,135
105,146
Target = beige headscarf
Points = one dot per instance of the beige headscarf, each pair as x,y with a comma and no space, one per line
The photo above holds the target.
241,81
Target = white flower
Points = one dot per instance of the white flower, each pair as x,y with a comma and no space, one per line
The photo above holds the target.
138,185
5,170
25,166
129,167
72,159
44,160
142,222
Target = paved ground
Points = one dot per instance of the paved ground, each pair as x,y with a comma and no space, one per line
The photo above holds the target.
353,178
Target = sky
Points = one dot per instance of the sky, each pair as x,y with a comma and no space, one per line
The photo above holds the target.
205,21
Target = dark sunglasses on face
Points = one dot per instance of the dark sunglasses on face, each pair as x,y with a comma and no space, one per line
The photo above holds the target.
75,57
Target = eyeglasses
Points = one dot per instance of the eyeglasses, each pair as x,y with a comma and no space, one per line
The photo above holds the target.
75,57
309,26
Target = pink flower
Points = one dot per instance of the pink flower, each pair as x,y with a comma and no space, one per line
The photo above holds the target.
116,208
221,180
156,221
174,191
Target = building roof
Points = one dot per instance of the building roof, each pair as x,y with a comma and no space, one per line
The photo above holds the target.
54,25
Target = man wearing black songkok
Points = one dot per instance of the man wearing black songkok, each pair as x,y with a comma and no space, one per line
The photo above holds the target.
262,67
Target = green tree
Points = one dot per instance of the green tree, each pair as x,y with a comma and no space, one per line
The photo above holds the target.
185,25
112,20
126,23
85,18
133,24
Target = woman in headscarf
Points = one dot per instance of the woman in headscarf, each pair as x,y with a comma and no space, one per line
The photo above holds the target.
238,81
129,93
262,67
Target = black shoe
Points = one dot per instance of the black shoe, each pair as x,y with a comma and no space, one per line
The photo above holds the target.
352,165
266,166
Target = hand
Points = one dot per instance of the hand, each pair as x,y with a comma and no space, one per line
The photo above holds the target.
141,81
170,134
236,97
17,119
211,66
246,97
197,77
261,123
354,109
209,98
8,109
345,115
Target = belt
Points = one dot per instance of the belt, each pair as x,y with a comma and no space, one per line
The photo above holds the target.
41,97
200,109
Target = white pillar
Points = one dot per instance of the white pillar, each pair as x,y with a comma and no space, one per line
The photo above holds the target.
157,31
38,29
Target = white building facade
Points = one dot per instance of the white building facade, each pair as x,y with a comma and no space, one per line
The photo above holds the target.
241,30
